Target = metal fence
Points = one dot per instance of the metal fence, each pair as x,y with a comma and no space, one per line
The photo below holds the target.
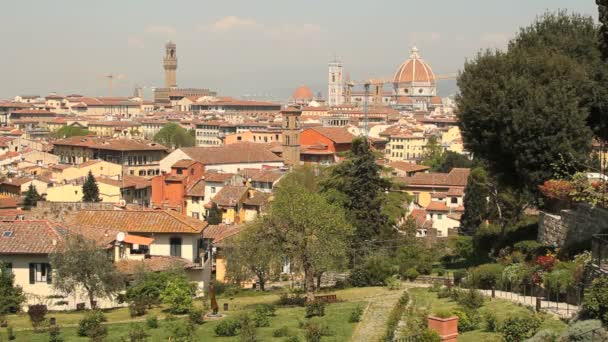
599,253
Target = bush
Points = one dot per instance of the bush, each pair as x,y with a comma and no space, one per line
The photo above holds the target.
281,332
293,338
137,308
440,272
196,316
459,276
583,331
247,327
181,330
152,321
471,299
519,328
293,298
260,319
485,276
314,329
315,308
148,286
392,283
411,274
372,272
266,309
395,316
443,292
595,303
528,247
425,268
178,295
491,322
10,333
55,334
37,314
429,335
90,325
137,333
355,315
546,335
227,327
341,284
443,314
466,321
436,287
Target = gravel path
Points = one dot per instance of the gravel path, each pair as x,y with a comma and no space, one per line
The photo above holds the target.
562,310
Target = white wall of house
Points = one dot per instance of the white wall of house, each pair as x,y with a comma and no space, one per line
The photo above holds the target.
162,246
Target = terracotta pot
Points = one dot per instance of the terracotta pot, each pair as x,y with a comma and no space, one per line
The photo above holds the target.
447,328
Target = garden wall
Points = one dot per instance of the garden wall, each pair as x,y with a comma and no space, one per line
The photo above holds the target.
571,226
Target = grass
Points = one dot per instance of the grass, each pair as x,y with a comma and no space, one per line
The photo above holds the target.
500,308
336,316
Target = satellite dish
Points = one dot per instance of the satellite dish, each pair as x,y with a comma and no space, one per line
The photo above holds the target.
120,237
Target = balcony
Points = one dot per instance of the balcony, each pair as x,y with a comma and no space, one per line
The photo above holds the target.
599,253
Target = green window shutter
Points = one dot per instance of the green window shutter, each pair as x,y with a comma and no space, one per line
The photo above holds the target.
32,273
49,274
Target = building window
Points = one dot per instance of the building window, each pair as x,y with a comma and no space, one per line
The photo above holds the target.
40,273
212,189
454,200
416,197
175,246
179,171
440,216
195,215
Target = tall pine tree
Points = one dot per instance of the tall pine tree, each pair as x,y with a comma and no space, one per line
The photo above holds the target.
90,191
31,197
215,214
475,200
357,185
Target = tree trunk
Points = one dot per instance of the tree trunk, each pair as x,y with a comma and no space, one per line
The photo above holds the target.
262,282
319,275
91,300
309,280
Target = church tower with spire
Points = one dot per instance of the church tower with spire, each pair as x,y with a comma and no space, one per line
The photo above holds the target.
170,65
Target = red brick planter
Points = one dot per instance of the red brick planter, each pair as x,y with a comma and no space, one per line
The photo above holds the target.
447,328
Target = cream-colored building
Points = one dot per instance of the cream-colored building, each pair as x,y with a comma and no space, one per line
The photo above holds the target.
406,146
98,168
115,129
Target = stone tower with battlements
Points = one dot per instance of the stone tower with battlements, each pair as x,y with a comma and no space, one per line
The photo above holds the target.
170,65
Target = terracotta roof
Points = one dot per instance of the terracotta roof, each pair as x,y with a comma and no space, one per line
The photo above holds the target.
197,189
420,216
455,192
232,154
414,69
219,232
154,263
34,112
259,199
261,175
5,140
139,240
111,144
408,167
217,177
29,236
456,177
11,202
230,195
437,206
338,135
139,221
184,163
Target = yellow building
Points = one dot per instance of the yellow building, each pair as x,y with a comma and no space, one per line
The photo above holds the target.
72,192
115,128
405,146
98,168
452,140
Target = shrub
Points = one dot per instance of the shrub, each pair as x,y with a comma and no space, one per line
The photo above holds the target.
293,298
293,338
458,276
260,319
178,294
315,308
436,287
341,284
440,272
148,286
137,333
485,276
395,316
595,303
10,333
227,327
471,299
37,314
519,328
181,330
546,335
491,322
281,332
443,292
266,309
411,274
583,331
152,321
527,247
90,324
196,316
137,308
247,327
425,268
443,314
392,283
355,315
55,333
372,272
314,329
429,335
465,321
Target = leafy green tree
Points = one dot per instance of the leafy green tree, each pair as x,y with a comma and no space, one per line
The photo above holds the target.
523,109
31,197
313,232
71,131
356,184
450,160
433,153
476,199
82,265
178,294
90,191
11,295
174,136
215,214
595,303
253,253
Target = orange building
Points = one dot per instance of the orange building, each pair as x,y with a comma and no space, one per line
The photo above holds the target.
169,190
257,136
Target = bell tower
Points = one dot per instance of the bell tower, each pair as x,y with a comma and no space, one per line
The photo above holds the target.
170,65
335,84
291,135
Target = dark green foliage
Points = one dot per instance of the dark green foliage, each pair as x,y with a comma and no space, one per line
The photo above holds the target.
248,331
55,333
90,325
196,316
315,308
37,314
433,153
520,327
10,333
491,322
71,131
428,335
527,108
485,276
424,268
356,185
585,331
595,303
137,308
371,272
262,314
471,299
90,190
283,331
355,315
152,321
182,331
266,309
450,160
31,197
528,247
215,214
173,135
11,296
227,327
476,208
395,316
292,298
137,333
178,294
411,274
144,292
315,329
467,321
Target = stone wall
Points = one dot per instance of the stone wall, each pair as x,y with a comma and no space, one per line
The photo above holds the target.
571,226
59,211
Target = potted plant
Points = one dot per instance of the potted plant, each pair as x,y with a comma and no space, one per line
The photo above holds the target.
445,323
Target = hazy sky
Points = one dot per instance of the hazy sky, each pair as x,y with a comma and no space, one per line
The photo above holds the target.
244,47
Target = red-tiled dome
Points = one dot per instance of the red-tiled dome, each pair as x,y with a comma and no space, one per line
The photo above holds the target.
302,93
414,70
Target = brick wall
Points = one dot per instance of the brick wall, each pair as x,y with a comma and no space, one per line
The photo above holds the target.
571,226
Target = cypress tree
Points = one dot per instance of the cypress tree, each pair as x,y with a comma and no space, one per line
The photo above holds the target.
31,197
90,191
475,200
215,214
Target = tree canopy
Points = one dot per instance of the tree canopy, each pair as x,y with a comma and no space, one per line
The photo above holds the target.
31,197
476,200
175,136
523,109
90,190
11,295
215,214
70,131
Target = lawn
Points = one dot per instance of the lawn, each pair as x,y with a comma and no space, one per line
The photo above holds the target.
422,297
336,316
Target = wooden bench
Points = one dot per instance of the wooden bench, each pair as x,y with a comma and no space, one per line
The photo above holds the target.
332,298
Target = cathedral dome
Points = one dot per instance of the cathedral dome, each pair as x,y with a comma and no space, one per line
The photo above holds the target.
414,70
303,93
